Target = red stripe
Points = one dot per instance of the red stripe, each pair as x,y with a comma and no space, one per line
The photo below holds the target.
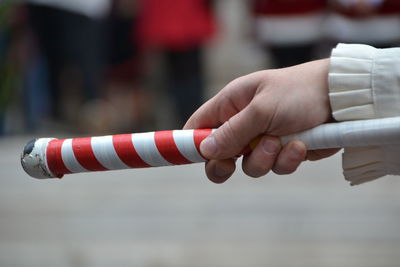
199,135
287,7
83,152
54,158
166,146
126,151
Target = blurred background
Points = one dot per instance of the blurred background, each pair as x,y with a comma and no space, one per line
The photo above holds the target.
79,68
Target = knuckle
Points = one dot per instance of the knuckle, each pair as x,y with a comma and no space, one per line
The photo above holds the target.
232,86
236,82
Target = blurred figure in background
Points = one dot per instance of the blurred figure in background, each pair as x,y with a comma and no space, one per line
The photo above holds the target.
373,22
131,105
289,30
71,36
9,67
179,29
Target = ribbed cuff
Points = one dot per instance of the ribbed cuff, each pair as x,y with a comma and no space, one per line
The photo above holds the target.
364,82
364,164
350,82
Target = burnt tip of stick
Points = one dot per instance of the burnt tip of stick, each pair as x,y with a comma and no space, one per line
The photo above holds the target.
29,147
33,158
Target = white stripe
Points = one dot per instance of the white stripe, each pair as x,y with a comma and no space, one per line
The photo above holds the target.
297,29
104,151
146,148
69,159
184,140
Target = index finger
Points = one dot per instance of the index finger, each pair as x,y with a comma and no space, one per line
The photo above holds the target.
228,102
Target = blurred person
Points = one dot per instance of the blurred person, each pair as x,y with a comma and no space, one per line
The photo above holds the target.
13,57
373,22
8,68
180,30
22,72
130,102
279,102
289,30
71,37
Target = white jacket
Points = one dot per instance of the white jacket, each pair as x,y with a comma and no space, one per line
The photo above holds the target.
364,83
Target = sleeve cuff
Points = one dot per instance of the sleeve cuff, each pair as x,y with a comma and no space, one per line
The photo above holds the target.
364,82
364,164
350,82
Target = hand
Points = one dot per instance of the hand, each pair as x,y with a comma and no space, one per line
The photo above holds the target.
269,104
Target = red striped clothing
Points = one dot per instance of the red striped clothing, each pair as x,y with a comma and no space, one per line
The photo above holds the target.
390,7
287,7
381,28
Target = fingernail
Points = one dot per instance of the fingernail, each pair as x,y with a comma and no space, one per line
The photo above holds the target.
208,147
270,147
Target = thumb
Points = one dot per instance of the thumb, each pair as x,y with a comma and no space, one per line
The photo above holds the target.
234,135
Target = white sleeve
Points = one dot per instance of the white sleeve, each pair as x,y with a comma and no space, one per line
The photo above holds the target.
364,83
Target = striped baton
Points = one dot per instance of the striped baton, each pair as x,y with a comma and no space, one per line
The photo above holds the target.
51,158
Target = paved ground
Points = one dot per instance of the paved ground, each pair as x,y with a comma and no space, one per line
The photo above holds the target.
174,217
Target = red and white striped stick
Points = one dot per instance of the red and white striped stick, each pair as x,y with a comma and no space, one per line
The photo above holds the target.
50,158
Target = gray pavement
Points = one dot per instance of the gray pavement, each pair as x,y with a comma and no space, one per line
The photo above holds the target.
173,216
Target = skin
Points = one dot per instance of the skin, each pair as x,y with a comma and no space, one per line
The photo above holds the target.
264,104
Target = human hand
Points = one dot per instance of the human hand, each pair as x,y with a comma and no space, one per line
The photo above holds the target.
268,104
